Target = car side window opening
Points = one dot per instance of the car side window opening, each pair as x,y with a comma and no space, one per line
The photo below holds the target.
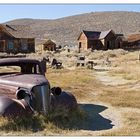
35,69
26,68
9,69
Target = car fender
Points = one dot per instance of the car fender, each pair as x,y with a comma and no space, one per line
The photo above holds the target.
12,108
65,99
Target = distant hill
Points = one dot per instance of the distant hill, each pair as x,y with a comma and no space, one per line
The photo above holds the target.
66,30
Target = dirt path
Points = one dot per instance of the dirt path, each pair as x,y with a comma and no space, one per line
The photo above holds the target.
103,76
109,80
102,117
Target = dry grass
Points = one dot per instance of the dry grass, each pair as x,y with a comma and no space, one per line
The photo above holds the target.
120,97
7,69
80,81
43,125
131,128
83,84
127,66
128,71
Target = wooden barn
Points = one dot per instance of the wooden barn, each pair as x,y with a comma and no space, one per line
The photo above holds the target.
97,40
16,39
49,45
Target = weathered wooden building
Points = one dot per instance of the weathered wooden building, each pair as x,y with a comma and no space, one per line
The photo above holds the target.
130,42
120,42
49,45
95,40
133,41
16,39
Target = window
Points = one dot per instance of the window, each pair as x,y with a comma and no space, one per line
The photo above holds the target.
24,44
9,69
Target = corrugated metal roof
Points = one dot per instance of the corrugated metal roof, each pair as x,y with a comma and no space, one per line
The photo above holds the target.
133,37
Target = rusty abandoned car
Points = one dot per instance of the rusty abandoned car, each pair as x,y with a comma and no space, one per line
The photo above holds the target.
25,90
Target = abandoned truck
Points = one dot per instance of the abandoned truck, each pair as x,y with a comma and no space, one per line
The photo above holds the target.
25,90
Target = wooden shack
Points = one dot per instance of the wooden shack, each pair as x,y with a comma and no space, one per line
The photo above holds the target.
97,40
49,45
120,42
16,39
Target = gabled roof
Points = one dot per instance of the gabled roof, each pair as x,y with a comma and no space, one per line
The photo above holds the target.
105,33
122,38
96,34
49,41
92,34
18,31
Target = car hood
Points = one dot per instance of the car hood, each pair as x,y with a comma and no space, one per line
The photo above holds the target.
23,80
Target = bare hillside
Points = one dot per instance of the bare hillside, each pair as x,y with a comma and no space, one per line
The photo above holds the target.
66,30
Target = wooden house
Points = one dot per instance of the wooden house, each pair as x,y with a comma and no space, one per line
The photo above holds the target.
95,40
16,39
131,42
49,45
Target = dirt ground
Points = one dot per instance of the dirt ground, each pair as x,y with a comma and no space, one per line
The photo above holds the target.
103,118
113,106
108,96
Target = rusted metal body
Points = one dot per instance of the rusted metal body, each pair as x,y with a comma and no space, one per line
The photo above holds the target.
28,91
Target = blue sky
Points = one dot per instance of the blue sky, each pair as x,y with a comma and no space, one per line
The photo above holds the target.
54,11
